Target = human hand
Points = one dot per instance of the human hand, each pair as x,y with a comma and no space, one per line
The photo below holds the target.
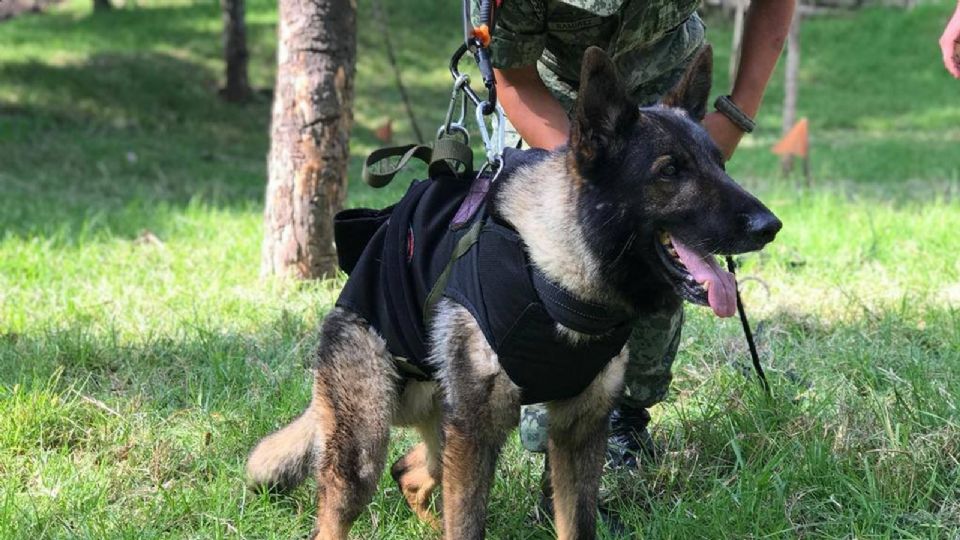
725,134
950,44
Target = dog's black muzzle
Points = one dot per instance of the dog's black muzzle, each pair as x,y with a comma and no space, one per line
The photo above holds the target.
761,227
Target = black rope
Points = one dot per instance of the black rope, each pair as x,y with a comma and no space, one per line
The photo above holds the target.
749,334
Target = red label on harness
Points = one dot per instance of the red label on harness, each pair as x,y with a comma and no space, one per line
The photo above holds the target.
409,244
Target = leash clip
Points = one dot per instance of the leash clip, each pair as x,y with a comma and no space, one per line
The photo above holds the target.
493,138
496,166
482,56
449,127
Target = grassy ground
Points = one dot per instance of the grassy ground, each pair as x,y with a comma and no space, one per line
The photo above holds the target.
141,356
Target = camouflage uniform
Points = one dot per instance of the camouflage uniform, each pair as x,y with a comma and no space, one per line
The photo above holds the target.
650,41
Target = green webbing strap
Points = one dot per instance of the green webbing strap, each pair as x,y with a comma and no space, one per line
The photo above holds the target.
466,241
448,157
379,169
451,157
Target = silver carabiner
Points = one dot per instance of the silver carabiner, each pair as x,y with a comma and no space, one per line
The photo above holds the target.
492,142
495,166
450,127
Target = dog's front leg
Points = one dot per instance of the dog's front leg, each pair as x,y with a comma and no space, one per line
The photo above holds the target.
578,438
481,406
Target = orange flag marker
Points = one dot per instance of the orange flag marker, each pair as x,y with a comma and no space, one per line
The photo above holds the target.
796,142
384,133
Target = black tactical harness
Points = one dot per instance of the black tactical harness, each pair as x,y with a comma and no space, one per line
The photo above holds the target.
436,242
403,259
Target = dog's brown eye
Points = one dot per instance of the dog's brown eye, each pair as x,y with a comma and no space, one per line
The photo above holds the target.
669,171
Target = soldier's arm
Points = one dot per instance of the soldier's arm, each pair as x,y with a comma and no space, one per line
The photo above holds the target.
518,43
764,33
537,116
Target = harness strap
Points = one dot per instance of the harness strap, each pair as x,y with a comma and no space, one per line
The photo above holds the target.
448,157
575,314
378,170
464,244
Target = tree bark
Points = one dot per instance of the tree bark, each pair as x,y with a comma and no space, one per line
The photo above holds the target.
235,51
101,5
309,136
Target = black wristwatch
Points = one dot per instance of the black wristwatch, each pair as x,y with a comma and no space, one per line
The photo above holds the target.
728,108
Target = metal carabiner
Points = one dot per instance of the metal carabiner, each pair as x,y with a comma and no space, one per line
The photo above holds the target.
495,166
449,127
492,142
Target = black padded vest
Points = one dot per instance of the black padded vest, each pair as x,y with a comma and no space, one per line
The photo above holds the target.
410,250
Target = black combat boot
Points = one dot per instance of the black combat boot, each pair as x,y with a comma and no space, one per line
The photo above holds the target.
629,440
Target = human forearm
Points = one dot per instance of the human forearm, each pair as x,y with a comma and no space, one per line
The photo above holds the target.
537,116
950,44
765,31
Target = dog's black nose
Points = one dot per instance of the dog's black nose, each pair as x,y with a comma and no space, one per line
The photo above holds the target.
762,227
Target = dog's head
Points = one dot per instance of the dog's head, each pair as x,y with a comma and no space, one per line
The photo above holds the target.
654,195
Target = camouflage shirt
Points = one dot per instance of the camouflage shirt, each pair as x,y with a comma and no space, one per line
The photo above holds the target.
650,41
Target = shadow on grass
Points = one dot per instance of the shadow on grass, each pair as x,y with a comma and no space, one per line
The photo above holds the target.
116,137
117,143
858,407
821,457
127,29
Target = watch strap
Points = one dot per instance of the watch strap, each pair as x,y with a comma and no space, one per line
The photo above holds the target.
728,108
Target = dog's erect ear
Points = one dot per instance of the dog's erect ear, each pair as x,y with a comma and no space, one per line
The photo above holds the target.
604,115
693,90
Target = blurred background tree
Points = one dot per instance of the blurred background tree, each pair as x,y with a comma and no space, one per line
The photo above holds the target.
235,53
309,136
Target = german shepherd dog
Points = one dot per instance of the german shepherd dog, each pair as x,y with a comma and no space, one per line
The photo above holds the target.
629,214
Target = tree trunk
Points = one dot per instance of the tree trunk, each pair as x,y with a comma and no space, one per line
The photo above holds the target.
235,51
309,136
791,84
101,5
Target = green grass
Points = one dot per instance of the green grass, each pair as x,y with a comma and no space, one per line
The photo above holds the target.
141,356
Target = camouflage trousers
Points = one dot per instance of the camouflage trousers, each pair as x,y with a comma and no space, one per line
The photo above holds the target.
652,347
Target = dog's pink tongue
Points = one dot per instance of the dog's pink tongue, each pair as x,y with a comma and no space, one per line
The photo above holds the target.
721,285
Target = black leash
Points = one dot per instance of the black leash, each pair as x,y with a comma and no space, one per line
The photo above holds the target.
731,267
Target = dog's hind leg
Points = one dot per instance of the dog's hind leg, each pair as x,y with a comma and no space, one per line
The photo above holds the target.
356,392
481,406
344,433
577,440
419,471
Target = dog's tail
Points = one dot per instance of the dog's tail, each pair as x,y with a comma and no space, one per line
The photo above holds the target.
282,460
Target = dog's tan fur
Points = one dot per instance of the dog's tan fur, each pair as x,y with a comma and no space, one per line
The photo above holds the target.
357,391
541,205
465,416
